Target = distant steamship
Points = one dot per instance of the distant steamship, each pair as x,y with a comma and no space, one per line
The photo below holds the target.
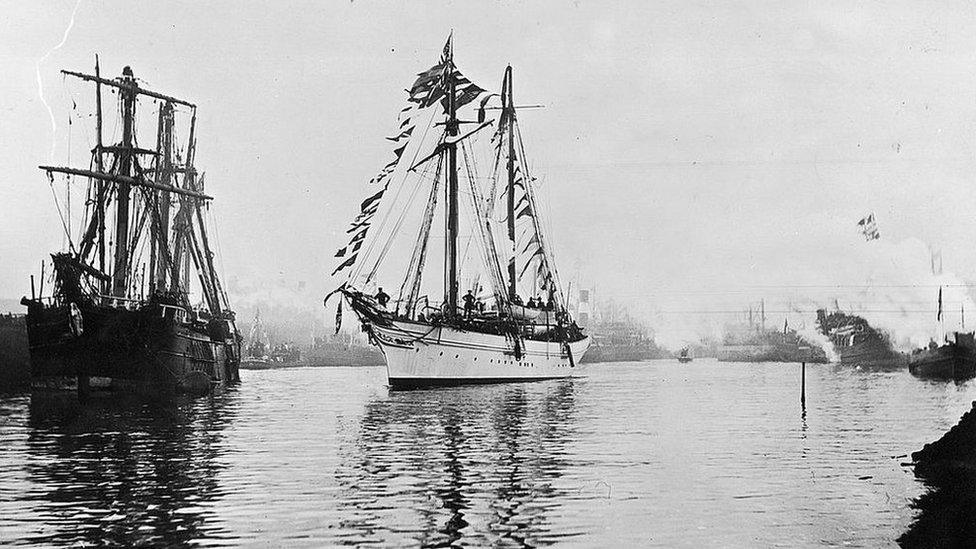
752,341
857,343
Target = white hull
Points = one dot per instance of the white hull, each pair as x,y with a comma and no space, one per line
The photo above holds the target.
418,355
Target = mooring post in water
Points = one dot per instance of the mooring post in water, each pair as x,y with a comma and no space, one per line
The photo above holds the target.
803,384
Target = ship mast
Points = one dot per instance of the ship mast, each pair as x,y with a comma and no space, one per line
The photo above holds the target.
100,186
450,252
122,175
128,100
160,237
508,114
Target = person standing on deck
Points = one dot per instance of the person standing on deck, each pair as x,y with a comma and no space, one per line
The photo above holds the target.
382,298
468,304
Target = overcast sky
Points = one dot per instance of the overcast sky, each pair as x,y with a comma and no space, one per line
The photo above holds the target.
692,155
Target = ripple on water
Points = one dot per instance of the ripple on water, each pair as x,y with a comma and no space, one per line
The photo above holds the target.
656,454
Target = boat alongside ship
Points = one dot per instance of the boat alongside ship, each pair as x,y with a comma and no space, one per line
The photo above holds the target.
495,336
857,343
120,303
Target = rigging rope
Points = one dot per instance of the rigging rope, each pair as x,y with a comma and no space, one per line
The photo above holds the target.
357,270
67,232
491,254
543,243
416,268
396,227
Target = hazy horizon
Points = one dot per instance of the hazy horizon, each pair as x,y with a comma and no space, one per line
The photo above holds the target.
693,159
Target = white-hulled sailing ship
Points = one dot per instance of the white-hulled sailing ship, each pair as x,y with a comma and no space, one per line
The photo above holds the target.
487,323
120,305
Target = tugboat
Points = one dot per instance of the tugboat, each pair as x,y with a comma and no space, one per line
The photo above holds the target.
495,336
953,360
684,356
120,306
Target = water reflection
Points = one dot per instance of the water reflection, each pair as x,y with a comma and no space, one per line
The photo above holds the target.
467,466
119,471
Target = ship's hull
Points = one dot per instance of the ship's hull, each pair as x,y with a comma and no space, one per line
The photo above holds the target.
420,355
14,358
949,362
255,364
872,355
620,353
138,345
352,356
261,364
769,353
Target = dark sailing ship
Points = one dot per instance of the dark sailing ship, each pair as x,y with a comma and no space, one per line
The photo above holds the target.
120,305
857,343
493,337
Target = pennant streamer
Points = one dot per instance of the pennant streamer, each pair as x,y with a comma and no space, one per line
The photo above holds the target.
430,87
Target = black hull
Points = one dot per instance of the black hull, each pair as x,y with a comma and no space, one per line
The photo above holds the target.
133,346
14,358
949,362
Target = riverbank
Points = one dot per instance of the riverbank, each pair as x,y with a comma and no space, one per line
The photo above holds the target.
947,513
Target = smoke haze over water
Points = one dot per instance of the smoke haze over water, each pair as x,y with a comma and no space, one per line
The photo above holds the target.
692,160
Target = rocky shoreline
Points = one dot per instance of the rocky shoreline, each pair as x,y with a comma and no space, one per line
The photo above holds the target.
947,512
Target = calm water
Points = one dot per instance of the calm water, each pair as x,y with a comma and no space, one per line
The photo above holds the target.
656,454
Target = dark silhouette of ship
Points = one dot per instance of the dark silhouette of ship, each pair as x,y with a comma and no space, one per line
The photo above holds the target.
953,360
857,343
120,302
